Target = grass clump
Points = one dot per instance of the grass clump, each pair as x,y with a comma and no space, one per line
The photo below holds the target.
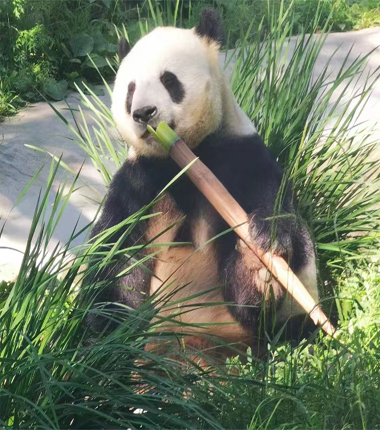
56,374
330,158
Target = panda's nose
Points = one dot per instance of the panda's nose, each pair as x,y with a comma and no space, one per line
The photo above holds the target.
145,114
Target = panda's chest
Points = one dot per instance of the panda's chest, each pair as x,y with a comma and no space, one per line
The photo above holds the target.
183,256
173,224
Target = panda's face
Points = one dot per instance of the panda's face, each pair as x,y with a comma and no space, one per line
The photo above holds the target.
170,75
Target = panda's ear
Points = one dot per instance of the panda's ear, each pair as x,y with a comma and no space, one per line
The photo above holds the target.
210,26
123,48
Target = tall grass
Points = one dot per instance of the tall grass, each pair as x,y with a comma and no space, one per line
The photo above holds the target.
55,374
328,155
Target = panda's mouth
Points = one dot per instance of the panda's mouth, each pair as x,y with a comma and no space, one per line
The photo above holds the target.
147,134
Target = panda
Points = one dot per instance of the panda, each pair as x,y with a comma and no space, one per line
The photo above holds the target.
173,75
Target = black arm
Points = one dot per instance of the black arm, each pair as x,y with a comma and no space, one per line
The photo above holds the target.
253,177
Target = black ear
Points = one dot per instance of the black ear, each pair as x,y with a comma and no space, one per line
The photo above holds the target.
210,26
123,48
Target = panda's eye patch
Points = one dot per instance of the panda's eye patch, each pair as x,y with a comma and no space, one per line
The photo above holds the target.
174,86
128,102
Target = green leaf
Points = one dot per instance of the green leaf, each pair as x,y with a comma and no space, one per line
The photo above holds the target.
87,88
100,43
65,50
94,89
112,48
107,3
81,44
73,75
97,61
56,90
78,82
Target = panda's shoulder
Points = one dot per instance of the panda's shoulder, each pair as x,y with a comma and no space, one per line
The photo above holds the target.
140,172
129,175
134,184
243,152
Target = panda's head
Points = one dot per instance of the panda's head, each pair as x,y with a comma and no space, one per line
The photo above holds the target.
170,75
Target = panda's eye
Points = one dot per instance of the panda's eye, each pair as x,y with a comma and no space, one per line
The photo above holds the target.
168,78
173,86
131,90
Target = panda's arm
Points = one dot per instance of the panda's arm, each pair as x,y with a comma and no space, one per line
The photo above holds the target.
252,176
129,191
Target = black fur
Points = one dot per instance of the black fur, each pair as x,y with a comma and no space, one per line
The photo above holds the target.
131,91
291,242
250,173
123,48
210,26
173,86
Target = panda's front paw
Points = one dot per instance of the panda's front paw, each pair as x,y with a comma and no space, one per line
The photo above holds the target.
273,233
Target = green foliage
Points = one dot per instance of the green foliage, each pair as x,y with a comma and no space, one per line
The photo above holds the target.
5,289
319,386
81,45
366,14
9,100
55,90
45,47
32,45
242,16
42,40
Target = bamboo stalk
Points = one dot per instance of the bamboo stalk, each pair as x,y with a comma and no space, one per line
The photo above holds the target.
237,218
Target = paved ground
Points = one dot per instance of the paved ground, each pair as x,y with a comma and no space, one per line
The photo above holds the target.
38,125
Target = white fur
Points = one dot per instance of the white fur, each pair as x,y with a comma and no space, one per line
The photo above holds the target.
208,104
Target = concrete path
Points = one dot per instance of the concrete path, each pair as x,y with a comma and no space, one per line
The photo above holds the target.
38,125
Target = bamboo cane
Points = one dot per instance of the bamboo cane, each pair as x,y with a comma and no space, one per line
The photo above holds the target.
237,218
